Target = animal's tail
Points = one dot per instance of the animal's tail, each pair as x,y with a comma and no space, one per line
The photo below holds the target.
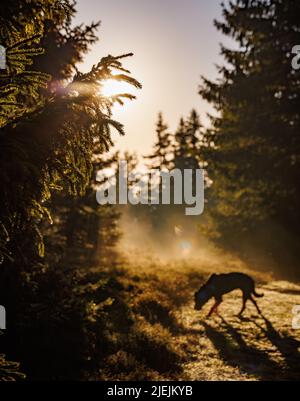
256,294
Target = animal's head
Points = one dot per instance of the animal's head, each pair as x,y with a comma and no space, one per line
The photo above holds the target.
204,294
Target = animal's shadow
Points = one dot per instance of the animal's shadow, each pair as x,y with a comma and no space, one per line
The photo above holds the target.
234,350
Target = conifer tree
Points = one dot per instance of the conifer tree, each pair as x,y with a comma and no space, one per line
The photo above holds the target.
48,139
188,142
254,165
160,158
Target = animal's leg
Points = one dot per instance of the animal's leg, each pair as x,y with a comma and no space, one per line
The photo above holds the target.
255,304
214,308
245,299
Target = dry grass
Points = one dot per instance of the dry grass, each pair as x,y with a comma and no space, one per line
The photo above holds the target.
168,339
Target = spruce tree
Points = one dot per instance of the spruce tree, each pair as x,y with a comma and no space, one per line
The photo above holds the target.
188,142
254,165
160,158
48,139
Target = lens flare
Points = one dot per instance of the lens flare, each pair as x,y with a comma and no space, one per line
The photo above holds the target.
185,247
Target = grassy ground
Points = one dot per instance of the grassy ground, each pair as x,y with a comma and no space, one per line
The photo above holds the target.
168,339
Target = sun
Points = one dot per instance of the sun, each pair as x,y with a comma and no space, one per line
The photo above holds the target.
111,87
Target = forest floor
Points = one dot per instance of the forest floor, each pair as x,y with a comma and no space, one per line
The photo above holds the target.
181,343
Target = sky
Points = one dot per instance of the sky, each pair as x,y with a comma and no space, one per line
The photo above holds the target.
174,42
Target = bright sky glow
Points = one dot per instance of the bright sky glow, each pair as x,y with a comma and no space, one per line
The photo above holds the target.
174,42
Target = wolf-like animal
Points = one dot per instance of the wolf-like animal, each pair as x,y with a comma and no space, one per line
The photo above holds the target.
220,284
